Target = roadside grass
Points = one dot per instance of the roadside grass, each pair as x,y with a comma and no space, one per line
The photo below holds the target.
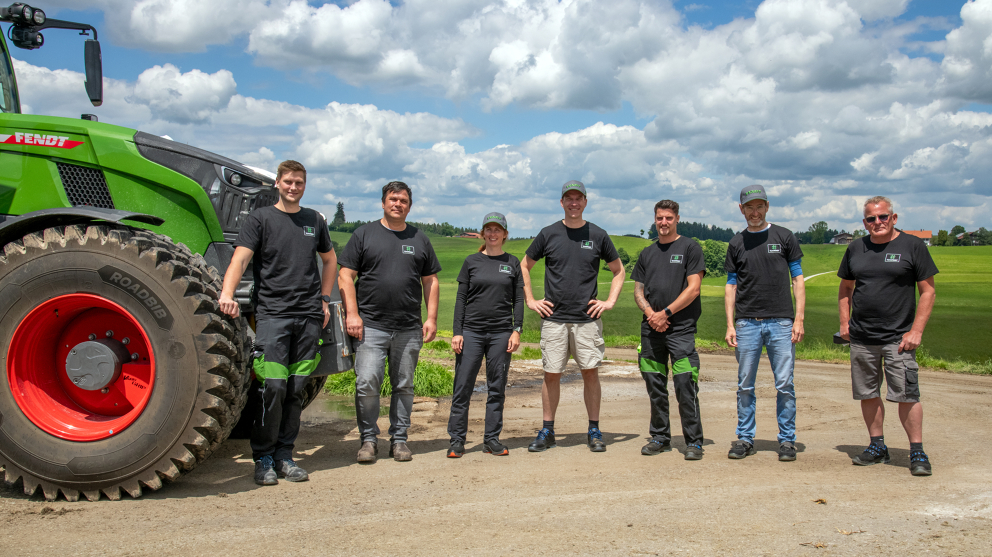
958,336
528,353
430,379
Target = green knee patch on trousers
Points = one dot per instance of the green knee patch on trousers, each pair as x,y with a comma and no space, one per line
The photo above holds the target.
272,370
684,366
651,366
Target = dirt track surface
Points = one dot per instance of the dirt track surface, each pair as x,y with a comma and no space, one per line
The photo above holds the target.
568,500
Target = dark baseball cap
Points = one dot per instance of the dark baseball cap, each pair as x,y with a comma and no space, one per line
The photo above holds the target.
573,185
498,218
751,193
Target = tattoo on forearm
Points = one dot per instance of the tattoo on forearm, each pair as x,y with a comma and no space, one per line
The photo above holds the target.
639,297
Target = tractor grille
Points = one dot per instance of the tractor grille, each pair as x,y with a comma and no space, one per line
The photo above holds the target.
85,187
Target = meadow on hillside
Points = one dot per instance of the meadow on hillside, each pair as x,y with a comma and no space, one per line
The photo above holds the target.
958,329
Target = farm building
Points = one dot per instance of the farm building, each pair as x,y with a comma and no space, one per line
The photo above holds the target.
924,235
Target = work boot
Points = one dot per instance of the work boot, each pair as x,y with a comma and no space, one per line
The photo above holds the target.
655,447
787,451
545,440
874,454
693,452
264,472
741,449
494,447
289,470
400,452
367,454
456,449
919,464
595,440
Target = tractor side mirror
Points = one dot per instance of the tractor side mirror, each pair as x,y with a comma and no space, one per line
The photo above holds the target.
94,72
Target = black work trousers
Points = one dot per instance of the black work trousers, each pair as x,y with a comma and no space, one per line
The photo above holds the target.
477,345
285,352
655,353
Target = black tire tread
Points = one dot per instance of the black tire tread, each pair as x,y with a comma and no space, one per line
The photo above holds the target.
221,345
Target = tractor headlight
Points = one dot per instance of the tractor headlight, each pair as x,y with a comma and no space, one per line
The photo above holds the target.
39,17
27,13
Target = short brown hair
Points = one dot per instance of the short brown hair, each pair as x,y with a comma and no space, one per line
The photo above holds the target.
396,187
285,167
667,204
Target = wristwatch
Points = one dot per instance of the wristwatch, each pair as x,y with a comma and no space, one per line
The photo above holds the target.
516,329
326,298
668,312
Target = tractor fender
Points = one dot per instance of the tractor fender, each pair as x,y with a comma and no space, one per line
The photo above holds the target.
13,228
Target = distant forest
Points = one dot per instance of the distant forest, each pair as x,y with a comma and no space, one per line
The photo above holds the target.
699,231
443,229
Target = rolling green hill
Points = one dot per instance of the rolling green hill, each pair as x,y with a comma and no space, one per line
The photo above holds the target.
958,329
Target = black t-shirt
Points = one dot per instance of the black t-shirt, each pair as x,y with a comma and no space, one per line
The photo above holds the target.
490,294
390,266
572,268
885,277
664,269
761,261
284,263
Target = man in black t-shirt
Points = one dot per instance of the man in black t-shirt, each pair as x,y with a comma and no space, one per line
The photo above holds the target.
667,279
395,266
282,242
760,261
570,312
879,315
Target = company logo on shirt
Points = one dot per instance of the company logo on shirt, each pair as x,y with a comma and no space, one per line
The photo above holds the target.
505,269
676,259
408,250
893,257
309,231
774,248
586,244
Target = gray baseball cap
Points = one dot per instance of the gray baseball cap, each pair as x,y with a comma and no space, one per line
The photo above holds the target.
573,185
498,218
751,193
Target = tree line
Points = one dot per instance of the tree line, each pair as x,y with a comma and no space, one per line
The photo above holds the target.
340,224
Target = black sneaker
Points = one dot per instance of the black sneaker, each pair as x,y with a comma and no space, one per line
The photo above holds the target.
494,447
289,470
545,440
655,446
456,450
741,449
787,451
595,440
693,452
265,474
919,464
874,454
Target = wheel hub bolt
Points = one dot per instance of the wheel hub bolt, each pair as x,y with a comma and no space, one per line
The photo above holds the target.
104,390
110,334
134,356
126,341
92,336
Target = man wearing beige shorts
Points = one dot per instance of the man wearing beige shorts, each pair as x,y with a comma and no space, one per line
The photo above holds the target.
570,312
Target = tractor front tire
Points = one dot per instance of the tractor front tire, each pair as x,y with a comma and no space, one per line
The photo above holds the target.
175,377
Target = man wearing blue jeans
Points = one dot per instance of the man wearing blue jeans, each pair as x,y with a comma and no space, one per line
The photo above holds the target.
395,266
760,262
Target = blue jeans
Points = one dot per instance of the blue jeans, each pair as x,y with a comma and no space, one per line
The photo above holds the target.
403,349
775,334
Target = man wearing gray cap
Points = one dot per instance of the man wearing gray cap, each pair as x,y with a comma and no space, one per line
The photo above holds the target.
489,312
760,261
569,310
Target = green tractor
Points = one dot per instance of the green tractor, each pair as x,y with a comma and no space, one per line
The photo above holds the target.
119,370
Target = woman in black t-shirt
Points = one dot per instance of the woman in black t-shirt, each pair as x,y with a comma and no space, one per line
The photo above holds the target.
489,312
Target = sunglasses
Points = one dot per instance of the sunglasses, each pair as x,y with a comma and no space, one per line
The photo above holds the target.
881,218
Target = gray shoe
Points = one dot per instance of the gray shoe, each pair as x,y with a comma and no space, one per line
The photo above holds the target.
787,451
289,470
367,454
399,451
693,452
741,449
655,447
264,473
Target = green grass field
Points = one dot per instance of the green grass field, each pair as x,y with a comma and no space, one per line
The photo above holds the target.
958,332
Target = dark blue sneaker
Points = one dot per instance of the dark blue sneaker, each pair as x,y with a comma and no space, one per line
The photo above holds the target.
874,454
919,464
545,440
595,440
265,473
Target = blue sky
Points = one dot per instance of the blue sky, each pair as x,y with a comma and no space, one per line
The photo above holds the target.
482,105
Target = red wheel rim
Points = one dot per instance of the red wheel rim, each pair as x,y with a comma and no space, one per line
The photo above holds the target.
42,389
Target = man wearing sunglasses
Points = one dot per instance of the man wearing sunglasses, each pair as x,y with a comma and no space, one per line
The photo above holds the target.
879,315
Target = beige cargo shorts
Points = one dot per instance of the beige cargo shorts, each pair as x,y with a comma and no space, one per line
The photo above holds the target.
583,341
